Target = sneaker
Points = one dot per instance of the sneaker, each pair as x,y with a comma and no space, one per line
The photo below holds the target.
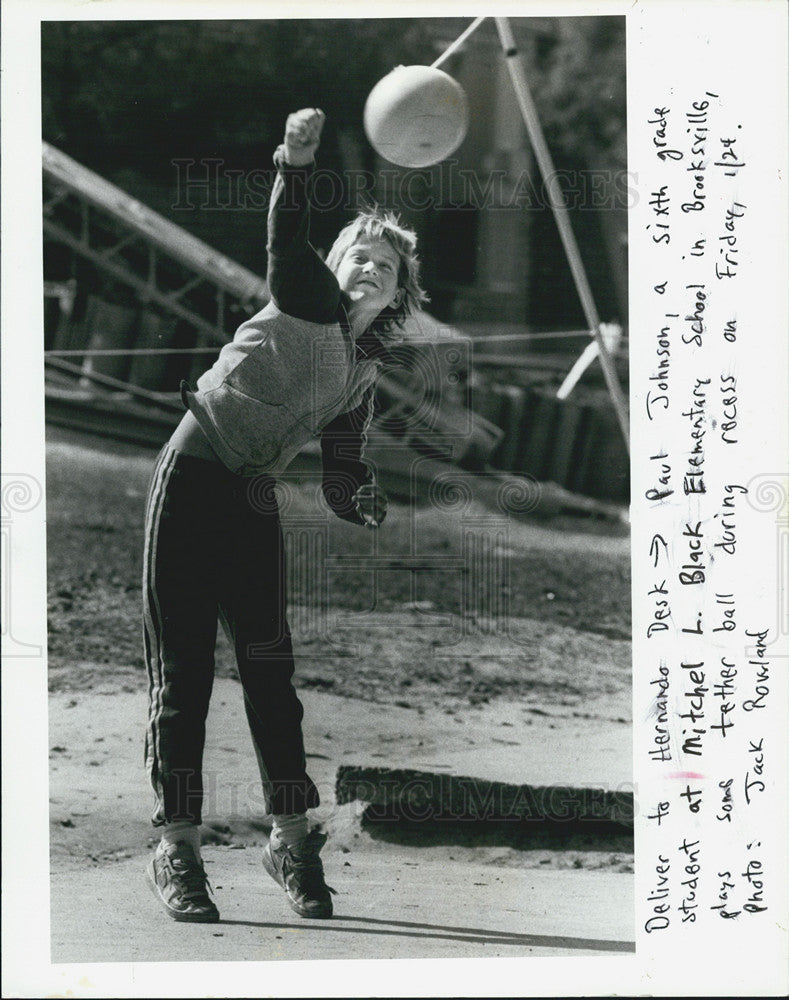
299,871
179,882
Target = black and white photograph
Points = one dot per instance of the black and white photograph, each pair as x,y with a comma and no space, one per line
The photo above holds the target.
397,480
323,342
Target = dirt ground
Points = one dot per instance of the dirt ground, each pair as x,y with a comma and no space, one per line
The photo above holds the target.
403,643
555,603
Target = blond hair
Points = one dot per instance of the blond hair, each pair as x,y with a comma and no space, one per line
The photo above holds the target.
376,224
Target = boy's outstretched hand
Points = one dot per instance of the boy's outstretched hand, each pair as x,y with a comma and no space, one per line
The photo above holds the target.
370,502
303,135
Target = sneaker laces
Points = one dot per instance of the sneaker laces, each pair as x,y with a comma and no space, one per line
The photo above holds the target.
310,877
306,865
191,877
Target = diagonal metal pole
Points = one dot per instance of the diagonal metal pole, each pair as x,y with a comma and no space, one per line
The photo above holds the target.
545,162
457,43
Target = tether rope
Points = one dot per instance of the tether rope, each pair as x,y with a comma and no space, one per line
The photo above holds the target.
457,43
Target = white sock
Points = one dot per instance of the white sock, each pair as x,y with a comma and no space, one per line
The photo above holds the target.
288,829
179,833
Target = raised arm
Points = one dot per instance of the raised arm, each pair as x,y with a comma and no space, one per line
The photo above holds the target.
299,282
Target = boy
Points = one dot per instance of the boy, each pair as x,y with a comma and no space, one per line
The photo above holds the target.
305,365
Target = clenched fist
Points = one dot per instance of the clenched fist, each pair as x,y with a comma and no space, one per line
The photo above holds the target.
303,135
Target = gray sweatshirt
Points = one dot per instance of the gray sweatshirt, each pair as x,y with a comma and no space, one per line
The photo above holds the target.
275,386
293,370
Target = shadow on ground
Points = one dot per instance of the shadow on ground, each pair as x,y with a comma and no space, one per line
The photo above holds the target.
405,928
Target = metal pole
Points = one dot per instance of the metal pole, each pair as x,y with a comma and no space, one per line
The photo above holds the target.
556,198
457,43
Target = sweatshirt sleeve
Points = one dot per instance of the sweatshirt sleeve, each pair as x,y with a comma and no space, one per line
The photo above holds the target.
299,282
342,449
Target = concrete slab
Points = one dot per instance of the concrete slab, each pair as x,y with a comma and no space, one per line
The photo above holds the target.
416,795
393,907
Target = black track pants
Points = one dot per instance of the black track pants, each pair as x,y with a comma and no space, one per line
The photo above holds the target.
214,551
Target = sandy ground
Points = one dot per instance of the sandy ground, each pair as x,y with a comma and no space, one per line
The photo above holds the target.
539,698
523,891
101,803
385,908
